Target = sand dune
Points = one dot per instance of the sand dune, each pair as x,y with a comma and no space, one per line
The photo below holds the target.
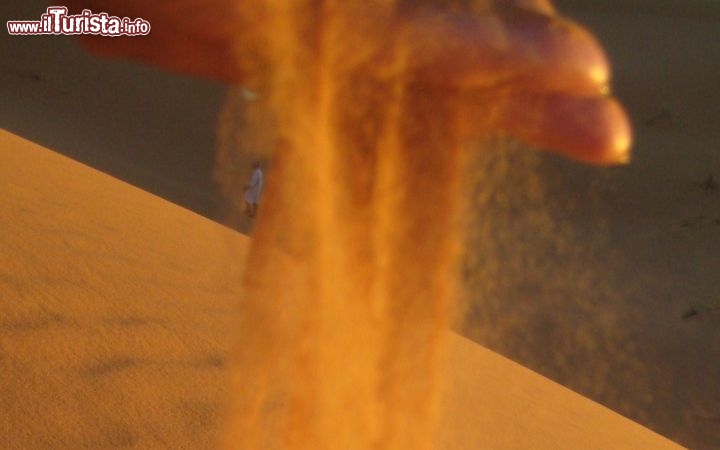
660,222
494,403
118,317
117,310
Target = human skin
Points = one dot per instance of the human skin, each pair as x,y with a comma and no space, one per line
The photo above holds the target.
545,78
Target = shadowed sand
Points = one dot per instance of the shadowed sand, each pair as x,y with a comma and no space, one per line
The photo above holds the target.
118,318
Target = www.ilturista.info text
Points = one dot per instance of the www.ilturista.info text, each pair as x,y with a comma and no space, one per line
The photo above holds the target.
57,21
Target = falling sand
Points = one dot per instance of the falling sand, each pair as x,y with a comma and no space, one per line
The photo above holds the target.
351,275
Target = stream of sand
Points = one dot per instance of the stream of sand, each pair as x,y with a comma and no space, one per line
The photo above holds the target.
352,271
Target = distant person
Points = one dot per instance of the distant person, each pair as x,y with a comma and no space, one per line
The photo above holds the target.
253,190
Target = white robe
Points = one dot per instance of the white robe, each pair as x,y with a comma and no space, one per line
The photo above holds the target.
252,194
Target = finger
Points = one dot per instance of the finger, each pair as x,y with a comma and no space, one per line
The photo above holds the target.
539,52
186,36
594,129
182,54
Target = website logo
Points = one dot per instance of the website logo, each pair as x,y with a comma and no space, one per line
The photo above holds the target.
56,21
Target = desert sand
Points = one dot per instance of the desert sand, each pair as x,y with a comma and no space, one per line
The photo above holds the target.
629,348
117,310
118,320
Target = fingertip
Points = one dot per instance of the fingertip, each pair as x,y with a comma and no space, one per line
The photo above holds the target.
559,54
590,58
594,130
616,149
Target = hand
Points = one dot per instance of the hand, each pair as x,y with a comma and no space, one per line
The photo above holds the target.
189,36
522,69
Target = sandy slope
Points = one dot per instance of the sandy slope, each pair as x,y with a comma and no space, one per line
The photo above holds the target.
117,310
494,403
118,316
